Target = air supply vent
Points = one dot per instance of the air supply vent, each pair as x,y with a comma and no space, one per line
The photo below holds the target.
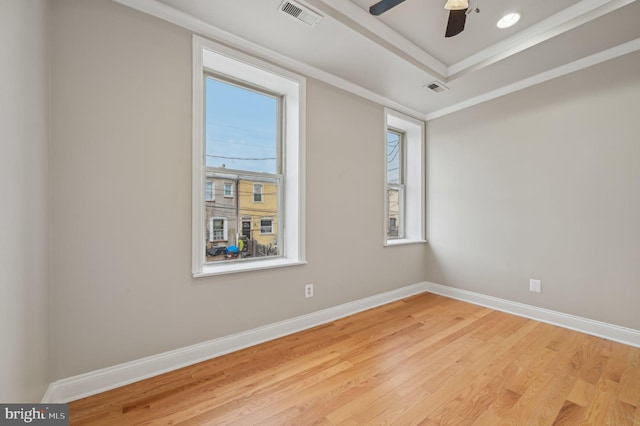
300,13
436,86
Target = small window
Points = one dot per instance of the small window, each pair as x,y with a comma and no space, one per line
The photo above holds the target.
395,183
404,163
218,229
228,189
266,225
209,191
257,193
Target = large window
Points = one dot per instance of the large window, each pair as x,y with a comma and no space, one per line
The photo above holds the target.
404,180
243,143
247,114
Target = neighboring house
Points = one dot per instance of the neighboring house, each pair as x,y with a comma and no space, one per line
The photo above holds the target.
250,201
221,218
393,227
259,210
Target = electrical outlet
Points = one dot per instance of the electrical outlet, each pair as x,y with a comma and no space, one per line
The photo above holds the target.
535,286
308,290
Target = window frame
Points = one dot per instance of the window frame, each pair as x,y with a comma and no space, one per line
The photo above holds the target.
213,58
414,226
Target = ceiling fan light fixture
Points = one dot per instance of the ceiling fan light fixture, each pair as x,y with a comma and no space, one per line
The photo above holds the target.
457,4
509,20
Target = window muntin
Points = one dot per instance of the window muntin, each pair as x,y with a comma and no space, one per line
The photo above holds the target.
395,195
243,138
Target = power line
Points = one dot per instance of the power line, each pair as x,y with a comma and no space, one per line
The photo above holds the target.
242,158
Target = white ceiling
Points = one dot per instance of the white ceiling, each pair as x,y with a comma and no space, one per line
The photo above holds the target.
390,58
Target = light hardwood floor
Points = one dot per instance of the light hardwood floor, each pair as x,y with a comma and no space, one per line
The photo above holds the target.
423,360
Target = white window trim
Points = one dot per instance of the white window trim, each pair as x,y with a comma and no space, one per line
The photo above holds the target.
208,55
414,192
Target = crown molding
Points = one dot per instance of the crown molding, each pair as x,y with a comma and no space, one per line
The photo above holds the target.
580,64
563,21
582,12
197,26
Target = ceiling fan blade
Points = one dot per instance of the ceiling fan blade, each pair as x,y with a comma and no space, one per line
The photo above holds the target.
457,18
382,6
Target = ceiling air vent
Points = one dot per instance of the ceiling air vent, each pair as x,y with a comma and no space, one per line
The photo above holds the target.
436,86
300,13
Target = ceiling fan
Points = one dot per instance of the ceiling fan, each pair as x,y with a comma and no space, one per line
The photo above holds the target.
458,11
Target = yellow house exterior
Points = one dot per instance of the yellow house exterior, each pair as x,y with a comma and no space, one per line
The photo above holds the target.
393,212
258,211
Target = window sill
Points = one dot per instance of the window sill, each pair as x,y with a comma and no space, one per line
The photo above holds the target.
231,268
402,242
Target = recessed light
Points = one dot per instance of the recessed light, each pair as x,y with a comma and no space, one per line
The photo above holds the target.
509,20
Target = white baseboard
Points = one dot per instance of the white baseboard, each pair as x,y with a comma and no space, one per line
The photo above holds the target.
628,336
94,382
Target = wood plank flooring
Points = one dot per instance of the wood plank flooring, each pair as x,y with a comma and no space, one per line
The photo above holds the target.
425,360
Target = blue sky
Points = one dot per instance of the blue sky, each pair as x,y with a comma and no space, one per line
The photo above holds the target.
394,158
241,128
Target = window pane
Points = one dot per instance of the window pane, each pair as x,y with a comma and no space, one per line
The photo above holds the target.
242,160
393,209
394,157
395,185
241,229
241,128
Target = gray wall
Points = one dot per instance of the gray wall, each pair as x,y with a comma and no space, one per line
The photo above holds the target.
121,200
543,183
24,240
